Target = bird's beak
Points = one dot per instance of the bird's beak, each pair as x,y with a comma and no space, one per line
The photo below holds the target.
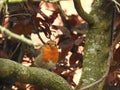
52,45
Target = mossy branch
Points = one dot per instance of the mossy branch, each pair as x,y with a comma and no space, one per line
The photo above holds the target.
18,37
32,75
88,18
18,1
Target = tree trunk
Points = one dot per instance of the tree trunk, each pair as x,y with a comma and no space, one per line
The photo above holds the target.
96,46
96,54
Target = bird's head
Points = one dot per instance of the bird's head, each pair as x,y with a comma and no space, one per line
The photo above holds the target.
51,43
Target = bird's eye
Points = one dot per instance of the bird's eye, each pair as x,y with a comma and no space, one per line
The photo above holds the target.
51,43
48,43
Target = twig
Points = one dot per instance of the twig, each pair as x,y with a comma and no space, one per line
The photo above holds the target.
117,3
22,51
117,40
20,14
13,52
88,18
36,30
63,16
18,37
1,4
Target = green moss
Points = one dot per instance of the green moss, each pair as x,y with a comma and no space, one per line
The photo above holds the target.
96,49
32,75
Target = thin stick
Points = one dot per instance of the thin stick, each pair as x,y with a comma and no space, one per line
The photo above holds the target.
18,37
20,14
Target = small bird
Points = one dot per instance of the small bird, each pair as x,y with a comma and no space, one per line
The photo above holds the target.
48,56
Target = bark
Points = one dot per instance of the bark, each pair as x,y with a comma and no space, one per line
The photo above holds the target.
32,75
96,47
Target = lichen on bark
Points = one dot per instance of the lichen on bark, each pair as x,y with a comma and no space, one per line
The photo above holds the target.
96,47
95,60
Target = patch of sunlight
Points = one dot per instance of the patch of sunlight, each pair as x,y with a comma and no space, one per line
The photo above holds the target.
77,75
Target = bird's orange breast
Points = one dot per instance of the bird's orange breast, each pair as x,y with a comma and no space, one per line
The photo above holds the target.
50,54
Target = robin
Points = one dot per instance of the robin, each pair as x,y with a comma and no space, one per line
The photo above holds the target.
48,56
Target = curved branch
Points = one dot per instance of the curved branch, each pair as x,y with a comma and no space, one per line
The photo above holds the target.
32,75
18,37
117,40
82,13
